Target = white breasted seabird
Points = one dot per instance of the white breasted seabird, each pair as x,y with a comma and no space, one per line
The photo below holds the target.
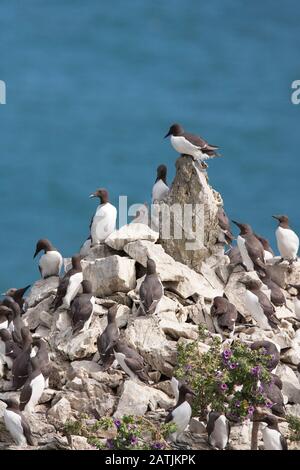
69,285
151,290
16,423
9,350
181,413
131,362
51,261
268,252
224,315
105,218
218,430
224,225
17,295
107,340
189,144
259,306
82,308
287,240
33,388
251,249
40,351
17,323
272,437
21,364
160,189
270,349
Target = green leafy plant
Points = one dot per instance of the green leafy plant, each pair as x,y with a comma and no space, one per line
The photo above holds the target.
224,379
294,427
126,433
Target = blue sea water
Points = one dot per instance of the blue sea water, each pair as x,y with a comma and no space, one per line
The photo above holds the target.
93,86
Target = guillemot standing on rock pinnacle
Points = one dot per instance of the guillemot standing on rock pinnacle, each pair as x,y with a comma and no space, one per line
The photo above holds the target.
69,285
287,240
192,145
160,189
151,290
104,220
107,340
16,423
251,249
82,308
51,261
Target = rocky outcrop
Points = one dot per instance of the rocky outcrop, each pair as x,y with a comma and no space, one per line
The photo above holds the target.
191,192
80,385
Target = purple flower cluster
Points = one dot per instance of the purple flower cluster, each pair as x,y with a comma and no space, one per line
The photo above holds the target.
255,371
232,365
117,423
251,410
227,354
158,445
223,387
134,440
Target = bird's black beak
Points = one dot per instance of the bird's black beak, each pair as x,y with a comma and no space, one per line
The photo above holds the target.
167,135
24,289
36,253
276,217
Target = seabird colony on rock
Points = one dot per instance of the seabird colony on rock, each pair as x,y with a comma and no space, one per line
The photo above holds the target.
28,357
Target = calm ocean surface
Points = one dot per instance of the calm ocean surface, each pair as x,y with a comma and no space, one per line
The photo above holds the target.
93,86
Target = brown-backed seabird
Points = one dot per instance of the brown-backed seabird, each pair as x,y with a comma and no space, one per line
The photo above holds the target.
287,240
105,218
151,290
51,261
69,285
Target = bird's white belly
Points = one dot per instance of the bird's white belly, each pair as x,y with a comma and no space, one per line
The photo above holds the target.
253,306
219,436
181,417
287,242
160,191
4,325
37,386
51,263
271,439
183,146
244,254
121,360
104,223
13,425
73,288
